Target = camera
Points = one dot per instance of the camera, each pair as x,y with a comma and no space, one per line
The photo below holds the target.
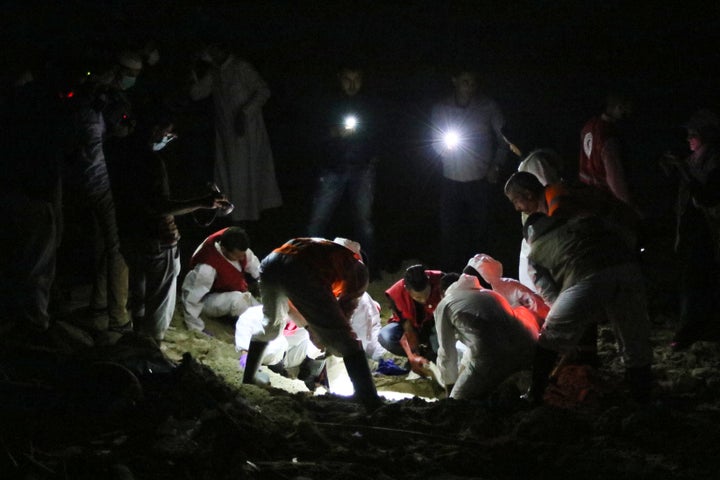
227,206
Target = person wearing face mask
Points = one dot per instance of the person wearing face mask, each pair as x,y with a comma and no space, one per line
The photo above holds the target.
98,109
697,240
129,67
410,331
244,165
146,213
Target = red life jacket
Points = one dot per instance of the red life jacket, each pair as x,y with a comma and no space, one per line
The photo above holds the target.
228,277
593,137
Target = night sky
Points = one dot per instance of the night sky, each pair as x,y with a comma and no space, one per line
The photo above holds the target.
548,64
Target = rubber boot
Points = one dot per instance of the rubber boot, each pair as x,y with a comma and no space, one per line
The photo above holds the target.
359,372
640,381
310,370
255,353
543,363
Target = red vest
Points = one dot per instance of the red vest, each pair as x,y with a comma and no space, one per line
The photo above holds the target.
228,277
593,137
405,305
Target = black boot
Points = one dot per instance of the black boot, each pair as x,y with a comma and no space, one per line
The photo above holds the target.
310,370
255,353
543,363
279,368
640,381
359,372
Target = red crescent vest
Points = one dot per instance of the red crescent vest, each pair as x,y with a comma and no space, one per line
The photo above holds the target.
228,278
406,306
591,167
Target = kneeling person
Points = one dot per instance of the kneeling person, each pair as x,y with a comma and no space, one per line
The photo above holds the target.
500,340
223,267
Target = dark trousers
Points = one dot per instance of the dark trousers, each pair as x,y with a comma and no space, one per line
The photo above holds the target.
463,222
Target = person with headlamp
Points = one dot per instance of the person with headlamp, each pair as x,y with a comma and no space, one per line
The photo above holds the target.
469,141
347,132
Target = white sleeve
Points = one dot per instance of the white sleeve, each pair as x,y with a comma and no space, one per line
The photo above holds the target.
373,348
252,265
248,324
447,358
196,285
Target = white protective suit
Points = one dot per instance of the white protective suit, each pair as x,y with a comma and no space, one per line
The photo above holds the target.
365,322
499,342
244,166
517,294
291,349
199,300
538,165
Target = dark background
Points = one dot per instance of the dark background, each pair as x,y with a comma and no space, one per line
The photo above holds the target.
548,64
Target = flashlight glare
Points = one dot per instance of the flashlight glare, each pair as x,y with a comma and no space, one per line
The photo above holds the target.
451,139
350,122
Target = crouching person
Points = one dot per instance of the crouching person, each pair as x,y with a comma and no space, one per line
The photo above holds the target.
500,341
223,268
324,281
589,275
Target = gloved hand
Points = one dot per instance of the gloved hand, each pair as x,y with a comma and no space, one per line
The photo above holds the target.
242,362
419,365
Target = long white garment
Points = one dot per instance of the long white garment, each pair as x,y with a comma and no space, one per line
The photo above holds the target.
244,165
365,322
198,300
499,344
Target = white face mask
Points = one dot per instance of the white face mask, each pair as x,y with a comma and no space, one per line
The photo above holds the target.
127,82
153,58
169,137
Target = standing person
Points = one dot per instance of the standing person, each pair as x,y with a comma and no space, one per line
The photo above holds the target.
499,343
589,275
348,135
697,239
103,112
146,217
410,332
468,137
223,266
601,156
324,281
32,122
244,167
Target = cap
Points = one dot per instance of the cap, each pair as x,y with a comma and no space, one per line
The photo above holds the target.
349,244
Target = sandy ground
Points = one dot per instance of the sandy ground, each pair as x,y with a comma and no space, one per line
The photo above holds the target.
131,411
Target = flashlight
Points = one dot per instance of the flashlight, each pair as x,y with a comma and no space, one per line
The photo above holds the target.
350,122
451,139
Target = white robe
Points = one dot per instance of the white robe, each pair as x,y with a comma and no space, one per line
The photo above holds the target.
244,166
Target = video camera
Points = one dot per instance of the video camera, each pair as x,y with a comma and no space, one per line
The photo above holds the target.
227,207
